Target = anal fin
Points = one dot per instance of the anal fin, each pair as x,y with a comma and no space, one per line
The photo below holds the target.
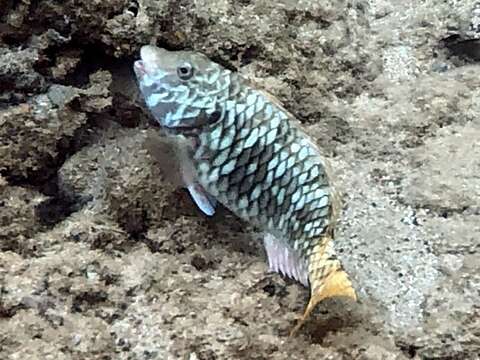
285,260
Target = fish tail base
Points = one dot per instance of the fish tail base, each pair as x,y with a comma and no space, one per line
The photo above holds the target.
327,279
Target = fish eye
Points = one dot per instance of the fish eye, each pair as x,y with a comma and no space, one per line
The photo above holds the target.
185,71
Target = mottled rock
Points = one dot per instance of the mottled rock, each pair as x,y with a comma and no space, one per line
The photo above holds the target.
446,172
118,177
32,133
18,220
103,256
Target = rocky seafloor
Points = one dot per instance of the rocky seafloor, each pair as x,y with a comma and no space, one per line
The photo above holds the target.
102,256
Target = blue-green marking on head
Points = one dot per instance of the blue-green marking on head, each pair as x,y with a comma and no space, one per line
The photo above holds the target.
180,86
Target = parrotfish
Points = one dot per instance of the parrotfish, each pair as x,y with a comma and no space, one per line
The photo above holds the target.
239,147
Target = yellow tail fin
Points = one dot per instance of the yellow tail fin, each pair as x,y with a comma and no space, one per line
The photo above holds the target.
327,278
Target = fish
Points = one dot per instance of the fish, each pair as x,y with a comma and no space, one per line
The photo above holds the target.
238,146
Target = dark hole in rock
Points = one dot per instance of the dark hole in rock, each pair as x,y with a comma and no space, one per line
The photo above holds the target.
274,289
53,210
58,206
133,8
134,223
468,49
199,262
408,349
269,289
12,36
86,299
249,54
9,312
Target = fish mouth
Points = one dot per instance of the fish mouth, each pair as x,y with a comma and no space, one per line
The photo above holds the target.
187,131
139,67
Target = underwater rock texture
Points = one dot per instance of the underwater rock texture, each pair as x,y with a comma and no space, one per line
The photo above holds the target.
102,256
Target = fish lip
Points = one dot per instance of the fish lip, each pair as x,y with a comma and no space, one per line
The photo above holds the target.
139,67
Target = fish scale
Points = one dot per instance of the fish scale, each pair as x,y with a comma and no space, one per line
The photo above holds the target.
251,155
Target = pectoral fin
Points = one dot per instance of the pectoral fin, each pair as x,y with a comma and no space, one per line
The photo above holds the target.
204,201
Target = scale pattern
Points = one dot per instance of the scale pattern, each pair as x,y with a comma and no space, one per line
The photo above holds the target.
266,170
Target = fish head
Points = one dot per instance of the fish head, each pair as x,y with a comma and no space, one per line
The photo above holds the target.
179,87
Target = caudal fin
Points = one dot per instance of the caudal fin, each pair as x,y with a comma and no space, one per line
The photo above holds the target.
327,278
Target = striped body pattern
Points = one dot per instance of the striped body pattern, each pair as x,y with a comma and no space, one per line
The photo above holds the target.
244,150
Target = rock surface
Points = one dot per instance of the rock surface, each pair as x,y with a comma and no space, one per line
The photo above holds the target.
102,256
